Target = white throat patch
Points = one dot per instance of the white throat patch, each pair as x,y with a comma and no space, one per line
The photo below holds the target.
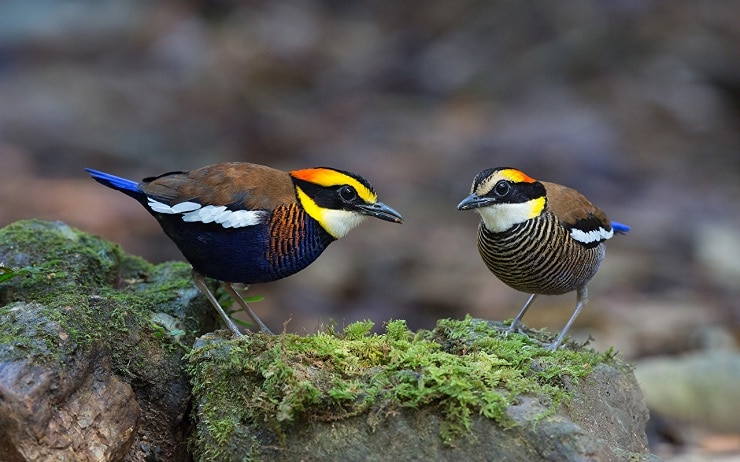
501,217
339,222
335,222
192,211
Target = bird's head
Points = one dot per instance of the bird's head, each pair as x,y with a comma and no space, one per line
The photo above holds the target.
339,200
505,197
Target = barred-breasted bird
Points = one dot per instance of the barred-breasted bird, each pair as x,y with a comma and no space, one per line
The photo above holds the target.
538,237
246,223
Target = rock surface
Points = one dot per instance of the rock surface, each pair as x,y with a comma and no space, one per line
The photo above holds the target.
608,430
88,414
700,387
86,373
603,418
95,366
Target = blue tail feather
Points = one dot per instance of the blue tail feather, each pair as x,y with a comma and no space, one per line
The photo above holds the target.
114,182
620,228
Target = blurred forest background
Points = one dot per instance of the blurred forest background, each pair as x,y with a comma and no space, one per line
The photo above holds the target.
634,103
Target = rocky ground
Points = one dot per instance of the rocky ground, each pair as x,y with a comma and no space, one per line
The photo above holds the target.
99,362
635,104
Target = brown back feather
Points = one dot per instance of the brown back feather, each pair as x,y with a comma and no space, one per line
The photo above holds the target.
570,206
241,184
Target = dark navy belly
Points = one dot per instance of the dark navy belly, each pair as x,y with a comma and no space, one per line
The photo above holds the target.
248,255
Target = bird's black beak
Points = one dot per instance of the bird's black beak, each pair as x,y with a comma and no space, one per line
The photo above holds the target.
474,201
380,210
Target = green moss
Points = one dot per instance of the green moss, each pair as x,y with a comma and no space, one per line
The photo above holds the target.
82,290
251,391
262,385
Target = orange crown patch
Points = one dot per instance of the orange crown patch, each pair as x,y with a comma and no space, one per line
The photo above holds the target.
328,177
517,176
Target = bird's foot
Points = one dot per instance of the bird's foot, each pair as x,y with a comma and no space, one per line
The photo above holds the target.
515,327
519,328
549,346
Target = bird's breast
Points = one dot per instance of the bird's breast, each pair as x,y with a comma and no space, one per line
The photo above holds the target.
285,243
539,256
294,240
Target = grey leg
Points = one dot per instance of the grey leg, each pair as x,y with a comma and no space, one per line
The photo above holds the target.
582,298
200,282
246,307
516,325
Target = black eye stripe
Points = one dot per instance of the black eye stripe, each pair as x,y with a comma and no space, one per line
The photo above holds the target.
508,192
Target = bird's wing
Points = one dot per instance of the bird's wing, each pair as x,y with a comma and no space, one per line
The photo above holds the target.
586,222
236,185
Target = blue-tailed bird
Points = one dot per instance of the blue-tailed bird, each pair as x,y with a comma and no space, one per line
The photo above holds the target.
538,237
239,222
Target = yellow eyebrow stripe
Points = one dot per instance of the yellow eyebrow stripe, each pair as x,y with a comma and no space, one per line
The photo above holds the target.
327,177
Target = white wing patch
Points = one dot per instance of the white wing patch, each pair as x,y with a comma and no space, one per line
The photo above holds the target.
589,237
185,207
192,211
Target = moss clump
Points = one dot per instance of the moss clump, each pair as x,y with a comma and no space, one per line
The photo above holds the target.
83,303
252,390
78,289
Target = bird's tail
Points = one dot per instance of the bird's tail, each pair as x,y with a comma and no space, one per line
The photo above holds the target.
121,184
620,228
113,181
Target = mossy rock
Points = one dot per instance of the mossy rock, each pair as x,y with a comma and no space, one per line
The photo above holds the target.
96,364
91,348
462,391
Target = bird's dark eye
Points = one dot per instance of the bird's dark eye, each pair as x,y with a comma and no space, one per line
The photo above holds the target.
502,188
347,193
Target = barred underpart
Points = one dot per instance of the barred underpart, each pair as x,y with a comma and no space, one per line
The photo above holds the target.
539,256
295,240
